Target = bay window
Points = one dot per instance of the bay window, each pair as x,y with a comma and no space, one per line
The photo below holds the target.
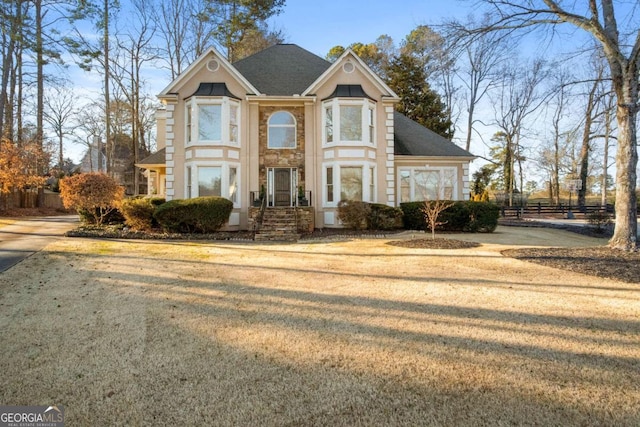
212,121
349,122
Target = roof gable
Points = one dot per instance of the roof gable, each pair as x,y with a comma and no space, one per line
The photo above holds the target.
413,139
201,62
349,56
282,70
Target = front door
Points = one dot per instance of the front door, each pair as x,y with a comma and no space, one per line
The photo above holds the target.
282,187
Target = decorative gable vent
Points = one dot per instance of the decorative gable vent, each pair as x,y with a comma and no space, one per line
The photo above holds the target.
213,65
348,67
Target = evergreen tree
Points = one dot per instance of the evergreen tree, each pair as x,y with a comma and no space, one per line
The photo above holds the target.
418,101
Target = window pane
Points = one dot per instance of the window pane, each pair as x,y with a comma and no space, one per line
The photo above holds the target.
189,118
329,184
426,185
282,137
282,118
449,178
329,123
372,184
209,181
371,118
233,123
282,130
209,122
350,123
351,183
405,186
233,185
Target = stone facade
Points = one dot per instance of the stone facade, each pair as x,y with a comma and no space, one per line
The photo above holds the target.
282,157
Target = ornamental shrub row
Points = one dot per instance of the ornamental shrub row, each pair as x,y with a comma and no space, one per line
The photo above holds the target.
466,216
369,216
199,215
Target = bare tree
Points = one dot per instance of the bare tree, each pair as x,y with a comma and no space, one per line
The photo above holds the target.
621,46
59,103
479,58
518,98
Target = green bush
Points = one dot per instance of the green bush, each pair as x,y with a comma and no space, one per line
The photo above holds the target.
199,215
138,213
354,214
454,218
383,217
461,216
483,217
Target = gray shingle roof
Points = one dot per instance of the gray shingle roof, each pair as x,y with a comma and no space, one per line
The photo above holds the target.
413,139
157,158
283,69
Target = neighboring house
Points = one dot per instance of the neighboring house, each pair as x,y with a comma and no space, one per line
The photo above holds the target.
285,123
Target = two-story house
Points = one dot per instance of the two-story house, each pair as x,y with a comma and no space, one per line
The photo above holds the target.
285,123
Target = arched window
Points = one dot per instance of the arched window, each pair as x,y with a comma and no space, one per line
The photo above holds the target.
282,130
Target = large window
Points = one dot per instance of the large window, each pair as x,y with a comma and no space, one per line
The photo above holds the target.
349,181
427,184
209,181
212,121
209,123
282,130
349,122
221,180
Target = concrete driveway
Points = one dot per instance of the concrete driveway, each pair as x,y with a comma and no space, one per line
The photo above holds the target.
26,236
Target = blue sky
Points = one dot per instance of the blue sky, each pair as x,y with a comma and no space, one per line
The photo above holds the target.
318,26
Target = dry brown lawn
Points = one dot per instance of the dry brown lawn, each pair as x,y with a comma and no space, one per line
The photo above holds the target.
353,332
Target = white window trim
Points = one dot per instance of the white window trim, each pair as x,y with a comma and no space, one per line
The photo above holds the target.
225,121
225,167
335,105
295,131
337,185
413,170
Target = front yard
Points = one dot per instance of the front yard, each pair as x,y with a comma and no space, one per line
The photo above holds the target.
353,332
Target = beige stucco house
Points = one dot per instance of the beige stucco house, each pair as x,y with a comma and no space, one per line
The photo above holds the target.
285,123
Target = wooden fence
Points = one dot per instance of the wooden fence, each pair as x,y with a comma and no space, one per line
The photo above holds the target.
546,210
29,199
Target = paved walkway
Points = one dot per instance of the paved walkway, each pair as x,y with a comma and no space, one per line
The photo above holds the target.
563,221
29,235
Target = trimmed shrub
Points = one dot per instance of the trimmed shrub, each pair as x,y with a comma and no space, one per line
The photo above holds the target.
199,215
461,216
483,217
354,214
94,195
413,216
383,217
138,213
454,218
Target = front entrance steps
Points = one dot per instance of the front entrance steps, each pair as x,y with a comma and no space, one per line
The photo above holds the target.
278,224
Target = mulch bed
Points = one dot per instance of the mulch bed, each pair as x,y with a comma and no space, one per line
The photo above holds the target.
437,243
598,261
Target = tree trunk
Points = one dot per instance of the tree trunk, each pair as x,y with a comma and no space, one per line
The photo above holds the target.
626,230
107,100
